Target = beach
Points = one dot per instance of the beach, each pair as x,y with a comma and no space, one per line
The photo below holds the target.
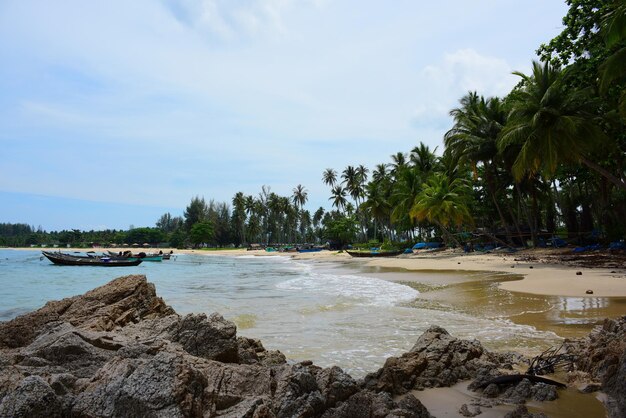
540,272
474,293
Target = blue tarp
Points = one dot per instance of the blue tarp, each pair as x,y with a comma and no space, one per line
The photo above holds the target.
426,245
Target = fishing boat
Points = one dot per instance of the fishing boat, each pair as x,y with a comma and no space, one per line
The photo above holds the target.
309,250
144,257
89,260
374,253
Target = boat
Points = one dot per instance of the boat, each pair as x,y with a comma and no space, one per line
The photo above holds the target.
144,257
89,260
309,250
374,253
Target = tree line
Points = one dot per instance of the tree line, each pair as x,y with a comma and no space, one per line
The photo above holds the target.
548,159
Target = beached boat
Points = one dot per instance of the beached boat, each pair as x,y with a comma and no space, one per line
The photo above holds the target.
375,253
78,260
309,250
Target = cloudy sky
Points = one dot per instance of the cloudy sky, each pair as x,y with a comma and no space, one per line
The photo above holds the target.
115,112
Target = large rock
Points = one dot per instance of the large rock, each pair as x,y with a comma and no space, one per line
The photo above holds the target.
122,301
436,360
602,354
119,351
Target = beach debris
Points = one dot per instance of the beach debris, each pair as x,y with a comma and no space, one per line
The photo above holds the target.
589,292
579,273
530,267
551,359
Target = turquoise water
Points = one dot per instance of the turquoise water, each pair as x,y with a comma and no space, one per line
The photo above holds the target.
307,310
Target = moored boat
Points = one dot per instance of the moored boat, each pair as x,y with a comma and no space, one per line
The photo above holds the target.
144,257
64,259
375,253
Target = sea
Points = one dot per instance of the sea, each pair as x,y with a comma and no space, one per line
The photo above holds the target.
331,313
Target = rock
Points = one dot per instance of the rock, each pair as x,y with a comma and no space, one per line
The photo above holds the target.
378,405
602,354
251,351
437,359
32,398
119,351
519,393
491,391
589,387
122,301
542,392
470,411
212,338
522,412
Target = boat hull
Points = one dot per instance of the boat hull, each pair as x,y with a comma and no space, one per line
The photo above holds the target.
374,254
62,259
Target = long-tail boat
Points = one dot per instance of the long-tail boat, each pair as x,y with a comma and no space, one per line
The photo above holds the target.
64,259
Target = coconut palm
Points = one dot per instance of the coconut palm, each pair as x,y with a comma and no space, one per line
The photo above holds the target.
443,202
423,159
329,177
552,124
339,197
300,196
473,140
614,67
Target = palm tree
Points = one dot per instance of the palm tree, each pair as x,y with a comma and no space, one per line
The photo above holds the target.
300,196
423,158
329,177
552,124
473,138
398,162
614,67
338,197
443,202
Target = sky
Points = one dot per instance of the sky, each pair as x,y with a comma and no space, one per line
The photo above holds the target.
113,113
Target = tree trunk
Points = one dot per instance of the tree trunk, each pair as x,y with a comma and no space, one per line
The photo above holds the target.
619,182
492,191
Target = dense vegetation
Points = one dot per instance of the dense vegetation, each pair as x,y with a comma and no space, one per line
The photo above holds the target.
546,160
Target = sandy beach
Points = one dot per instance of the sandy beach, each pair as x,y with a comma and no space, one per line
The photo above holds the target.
541,272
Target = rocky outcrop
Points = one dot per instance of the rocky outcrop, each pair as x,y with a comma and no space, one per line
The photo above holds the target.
602,354
120,351
436,360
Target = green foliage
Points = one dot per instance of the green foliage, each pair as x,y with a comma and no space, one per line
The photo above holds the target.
201,232
341,228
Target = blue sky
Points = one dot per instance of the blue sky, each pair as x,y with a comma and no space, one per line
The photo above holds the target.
115,112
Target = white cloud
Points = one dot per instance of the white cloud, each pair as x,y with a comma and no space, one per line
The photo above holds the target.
459,72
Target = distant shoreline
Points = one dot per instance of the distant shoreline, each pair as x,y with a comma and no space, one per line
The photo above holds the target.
543,274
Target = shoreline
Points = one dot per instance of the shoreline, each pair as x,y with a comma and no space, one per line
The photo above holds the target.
541,274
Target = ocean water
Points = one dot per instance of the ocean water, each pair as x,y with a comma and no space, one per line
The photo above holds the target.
307,310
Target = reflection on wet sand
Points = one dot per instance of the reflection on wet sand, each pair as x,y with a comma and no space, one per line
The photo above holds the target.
479,294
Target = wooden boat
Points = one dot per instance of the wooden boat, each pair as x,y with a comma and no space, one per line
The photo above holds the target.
78,260
309,250
370,253
144,257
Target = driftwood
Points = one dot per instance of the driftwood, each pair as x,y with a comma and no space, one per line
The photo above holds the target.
545,363
513,379
549,360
